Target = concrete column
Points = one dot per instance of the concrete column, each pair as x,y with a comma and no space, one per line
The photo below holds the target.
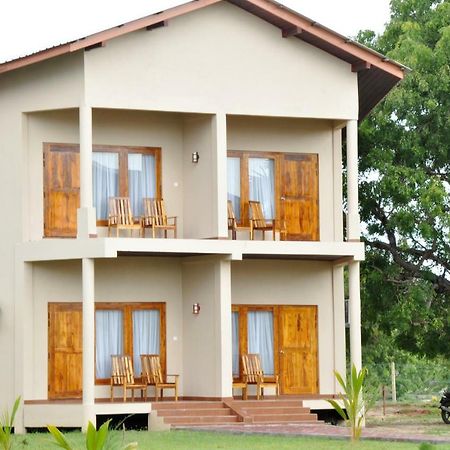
339,323
220,175
223,314
86,213
88,280
353,220
355,314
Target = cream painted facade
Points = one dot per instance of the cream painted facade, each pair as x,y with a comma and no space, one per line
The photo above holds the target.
216,79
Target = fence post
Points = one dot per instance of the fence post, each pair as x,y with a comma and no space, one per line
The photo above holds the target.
394,389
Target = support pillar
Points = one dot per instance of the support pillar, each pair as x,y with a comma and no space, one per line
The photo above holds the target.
225,333
353,219
355,314
88,280
220,175
86,213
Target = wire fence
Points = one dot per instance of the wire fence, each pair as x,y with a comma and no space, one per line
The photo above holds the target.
408,382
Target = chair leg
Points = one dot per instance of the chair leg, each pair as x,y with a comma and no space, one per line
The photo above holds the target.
124,393
176,393
264,235
112,387
153,232
273,234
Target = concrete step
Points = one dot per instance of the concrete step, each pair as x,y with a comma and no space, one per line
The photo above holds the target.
267,403
273,410
187,405
194,412
285,418
200,420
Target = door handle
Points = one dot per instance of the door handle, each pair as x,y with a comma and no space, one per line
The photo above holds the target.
282,198
281,352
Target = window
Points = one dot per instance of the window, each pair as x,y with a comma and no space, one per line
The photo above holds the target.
254,330
126,172
133,172
251,176
128,328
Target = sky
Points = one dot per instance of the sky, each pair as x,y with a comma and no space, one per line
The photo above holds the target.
27,26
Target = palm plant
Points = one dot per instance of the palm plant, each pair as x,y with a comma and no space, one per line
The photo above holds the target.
352,400
95,440
6,426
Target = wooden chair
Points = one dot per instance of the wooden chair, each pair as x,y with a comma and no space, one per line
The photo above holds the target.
258,222
155,217
122,374
152,375
120,216
253,374
232,222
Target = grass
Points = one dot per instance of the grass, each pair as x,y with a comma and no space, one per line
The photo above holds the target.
191,440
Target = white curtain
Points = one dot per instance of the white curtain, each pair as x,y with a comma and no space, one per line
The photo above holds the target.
234,184
260,338
108,340
235,342
105,180
141,180
145,335
262,184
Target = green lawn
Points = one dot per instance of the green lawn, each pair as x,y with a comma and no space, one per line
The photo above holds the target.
190,440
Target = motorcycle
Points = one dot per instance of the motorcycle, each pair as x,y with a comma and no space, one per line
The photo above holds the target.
444,406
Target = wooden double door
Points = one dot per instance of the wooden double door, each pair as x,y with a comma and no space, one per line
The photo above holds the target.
291,331
289,182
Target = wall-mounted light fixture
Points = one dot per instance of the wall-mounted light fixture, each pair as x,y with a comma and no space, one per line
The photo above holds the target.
195,157
196,308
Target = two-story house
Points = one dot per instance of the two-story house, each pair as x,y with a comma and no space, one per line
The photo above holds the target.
210,101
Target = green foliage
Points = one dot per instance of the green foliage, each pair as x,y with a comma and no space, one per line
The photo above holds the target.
418,377
352,400
6,426
95,440
405,185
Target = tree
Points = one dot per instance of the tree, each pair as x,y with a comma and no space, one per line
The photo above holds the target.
405,182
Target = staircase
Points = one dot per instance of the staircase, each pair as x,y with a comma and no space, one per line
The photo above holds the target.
233,412
273,411
195,413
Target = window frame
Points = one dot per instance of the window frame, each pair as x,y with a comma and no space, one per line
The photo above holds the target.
123,152
242,311
127,309
245,181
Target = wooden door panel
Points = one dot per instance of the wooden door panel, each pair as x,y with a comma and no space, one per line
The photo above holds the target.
61,190
298,349
65,350
300,193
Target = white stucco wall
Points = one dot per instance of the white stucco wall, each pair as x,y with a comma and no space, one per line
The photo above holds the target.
186,188
122,280
220,58
296,283
54,84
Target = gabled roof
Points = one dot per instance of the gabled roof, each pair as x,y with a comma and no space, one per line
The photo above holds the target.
377,75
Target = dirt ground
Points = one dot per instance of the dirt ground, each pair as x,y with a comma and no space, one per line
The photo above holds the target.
409,419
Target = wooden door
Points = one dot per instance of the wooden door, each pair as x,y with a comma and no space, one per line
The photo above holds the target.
61,190
64,350
300,196
298,349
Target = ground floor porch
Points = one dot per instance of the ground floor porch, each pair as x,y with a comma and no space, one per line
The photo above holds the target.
167,413
297,306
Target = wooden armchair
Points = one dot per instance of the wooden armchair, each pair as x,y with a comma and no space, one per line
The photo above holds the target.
258,222
152,375
120,216
232,222
122,374
155,217
253,374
